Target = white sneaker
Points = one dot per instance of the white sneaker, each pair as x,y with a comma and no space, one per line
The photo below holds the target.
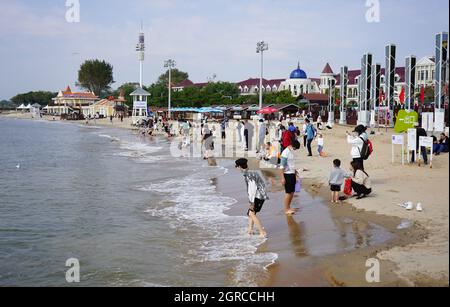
419,207
410,206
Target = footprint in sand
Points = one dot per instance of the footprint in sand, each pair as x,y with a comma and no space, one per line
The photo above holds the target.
393,191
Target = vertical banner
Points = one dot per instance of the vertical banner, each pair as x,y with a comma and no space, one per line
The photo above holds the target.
441,76
365,92
375,93
391,51
331,102
410,81
344,89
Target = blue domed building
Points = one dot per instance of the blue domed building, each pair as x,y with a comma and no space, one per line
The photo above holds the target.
298,73
299,83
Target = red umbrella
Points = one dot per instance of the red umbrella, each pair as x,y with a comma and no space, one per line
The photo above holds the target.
268,110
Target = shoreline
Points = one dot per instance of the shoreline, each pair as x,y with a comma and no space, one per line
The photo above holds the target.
424,244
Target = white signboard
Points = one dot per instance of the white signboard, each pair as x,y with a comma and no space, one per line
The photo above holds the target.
398,139
140,105
428,121
426,142
440,121
412,139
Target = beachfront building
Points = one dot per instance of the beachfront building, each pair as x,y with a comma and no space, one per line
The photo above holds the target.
251,86
299,83
308,89
187,83
110,106
425,70
68,102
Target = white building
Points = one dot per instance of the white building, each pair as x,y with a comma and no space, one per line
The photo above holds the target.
425,70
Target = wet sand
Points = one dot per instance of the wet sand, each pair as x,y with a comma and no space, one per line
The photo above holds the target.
323,244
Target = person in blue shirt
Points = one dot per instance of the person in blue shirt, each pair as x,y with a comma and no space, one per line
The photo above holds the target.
310,136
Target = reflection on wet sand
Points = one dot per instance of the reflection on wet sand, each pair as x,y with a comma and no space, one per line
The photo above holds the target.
355,234
296,234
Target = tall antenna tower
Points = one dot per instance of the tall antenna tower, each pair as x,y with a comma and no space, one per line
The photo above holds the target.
140,48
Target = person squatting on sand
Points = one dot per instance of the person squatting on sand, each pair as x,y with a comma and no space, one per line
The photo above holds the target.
289,175
361,182
257,195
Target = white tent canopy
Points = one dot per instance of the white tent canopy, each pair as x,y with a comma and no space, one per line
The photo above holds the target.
28,107
22,106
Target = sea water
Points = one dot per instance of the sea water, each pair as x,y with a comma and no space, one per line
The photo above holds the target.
132,214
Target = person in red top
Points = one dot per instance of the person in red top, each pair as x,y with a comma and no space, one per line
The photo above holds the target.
286,139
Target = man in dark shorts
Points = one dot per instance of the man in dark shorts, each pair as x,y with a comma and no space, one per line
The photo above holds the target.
289,175
257,195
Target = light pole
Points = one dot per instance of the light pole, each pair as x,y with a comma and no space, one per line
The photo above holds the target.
260,48
170,64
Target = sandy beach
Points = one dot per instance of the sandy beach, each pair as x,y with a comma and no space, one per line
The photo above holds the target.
415,256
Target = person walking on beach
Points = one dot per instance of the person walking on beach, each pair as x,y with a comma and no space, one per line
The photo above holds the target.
289,175
305,136
111,119
246,135
361,182
336,180
357,141
257,195
223,127
262,135
239,131
310,135
423,150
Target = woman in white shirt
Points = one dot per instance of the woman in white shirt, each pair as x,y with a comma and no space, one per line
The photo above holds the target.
357,141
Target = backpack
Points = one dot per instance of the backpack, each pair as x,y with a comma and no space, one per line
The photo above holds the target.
367,149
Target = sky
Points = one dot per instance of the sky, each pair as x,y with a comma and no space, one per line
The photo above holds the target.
40,50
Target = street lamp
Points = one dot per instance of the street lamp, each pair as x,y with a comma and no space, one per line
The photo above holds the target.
260,48
170,64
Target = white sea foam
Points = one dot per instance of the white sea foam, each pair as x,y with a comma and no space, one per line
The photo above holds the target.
106,136
198,204
139,147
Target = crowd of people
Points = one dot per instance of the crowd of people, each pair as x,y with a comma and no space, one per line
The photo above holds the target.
279,151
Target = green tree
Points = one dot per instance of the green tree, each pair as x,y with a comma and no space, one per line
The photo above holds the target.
95,76
177,76
282,97
41,97
7,105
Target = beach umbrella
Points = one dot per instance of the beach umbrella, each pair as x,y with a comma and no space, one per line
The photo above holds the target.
268,110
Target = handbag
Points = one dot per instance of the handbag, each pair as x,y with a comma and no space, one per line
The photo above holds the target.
348,187
298,185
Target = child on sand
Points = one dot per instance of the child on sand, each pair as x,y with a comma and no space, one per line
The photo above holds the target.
320,144
336,181
256,191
